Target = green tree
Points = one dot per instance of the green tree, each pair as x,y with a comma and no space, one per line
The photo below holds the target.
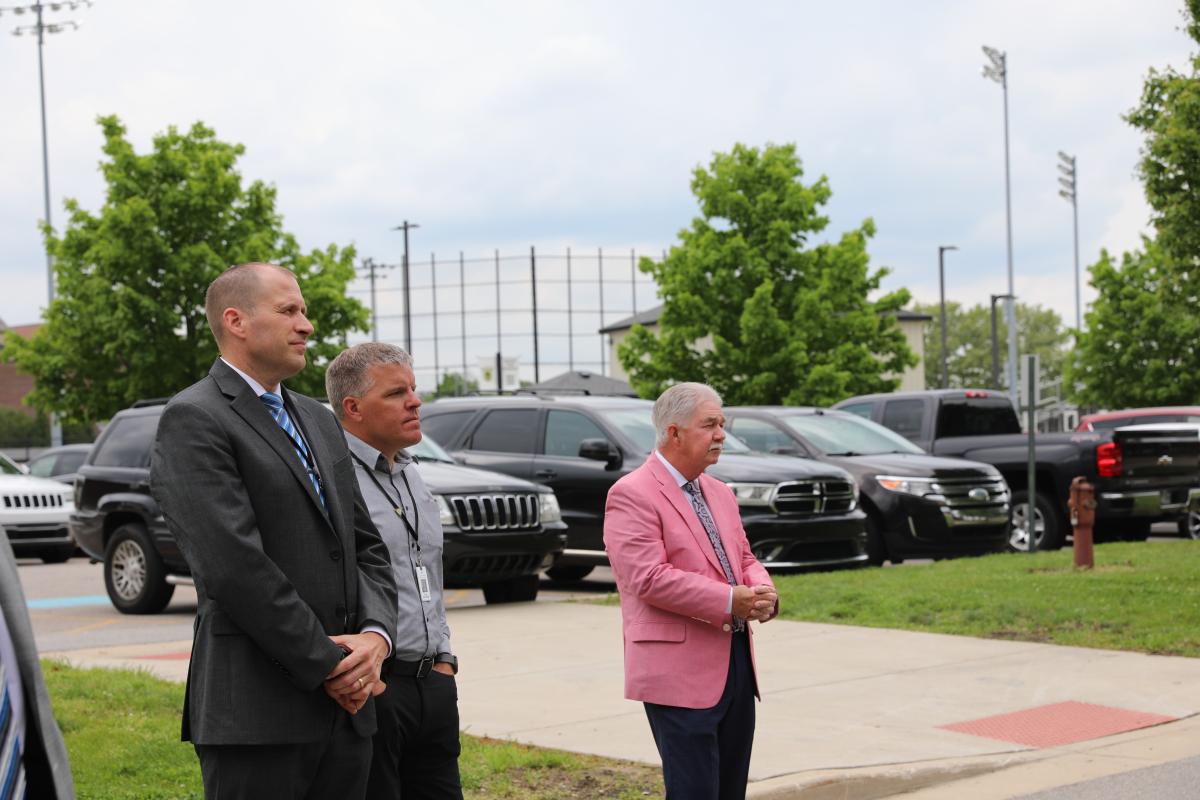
753,307
128,319
454,384
1040,331
1140,345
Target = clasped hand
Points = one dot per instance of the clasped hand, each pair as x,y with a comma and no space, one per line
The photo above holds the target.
356,677
755,602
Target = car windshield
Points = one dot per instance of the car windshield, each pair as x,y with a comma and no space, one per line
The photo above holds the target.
7,467
635,423
429,450
847,434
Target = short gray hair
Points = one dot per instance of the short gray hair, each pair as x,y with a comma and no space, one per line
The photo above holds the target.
348,375
676,406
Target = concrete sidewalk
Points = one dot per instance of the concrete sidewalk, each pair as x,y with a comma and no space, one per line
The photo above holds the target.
846,713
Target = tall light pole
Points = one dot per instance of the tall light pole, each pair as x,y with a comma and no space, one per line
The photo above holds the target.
1068,179
997,70
40,28
406,226
942,248
995,345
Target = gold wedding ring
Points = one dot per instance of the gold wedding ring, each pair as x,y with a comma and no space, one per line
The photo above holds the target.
361,683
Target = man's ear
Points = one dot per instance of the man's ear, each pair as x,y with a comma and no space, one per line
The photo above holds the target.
350,409
233,320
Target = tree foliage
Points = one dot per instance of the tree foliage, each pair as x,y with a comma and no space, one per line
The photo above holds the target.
1140,346
128,319
969,343
752,306
453,384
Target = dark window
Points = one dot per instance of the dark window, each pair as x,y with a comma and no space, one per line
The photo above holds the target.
127,442
445,427
70,462
762,436
565,430
507,431
904,417
862,409
977,417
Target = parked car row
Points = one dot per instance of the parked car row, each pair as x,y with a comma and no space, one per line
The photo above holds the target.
522,482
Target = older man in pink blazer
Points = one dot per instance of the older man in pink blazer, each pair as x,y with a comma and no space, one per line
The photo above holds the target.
689,588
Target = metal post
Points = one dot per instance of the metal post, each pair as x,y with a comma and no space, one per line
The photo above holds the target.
995,345
1010,308
942,290
433,284
1068,181
1031,389
1075,213
370,265
537,374
600,278
45,153
633,278
462,315
499,347
570,319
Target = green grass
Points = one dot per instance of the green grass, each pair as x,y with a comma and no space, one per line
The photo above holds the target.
122,734
1142,596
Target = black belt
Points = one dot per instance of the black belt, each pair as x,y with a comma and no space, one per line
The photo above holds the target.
408,669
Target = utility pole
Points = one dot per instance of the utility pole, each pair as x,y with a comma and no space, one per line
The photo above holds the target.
406,226
942,292
40,28
373,271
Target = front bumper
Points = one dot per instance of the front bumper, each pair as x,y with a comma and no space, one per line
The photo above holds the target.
934,529
34,538
474,558
795,542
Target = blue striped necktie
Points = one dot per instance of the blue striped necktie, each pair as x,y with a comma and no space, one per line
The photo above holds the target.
274,404
12,768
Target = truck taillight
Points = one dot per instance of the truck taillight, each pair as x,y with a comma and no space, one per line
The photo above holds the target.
1108,460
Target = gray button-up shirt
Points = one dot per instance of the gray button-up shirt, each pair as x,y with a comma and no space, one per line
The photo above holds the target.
422,629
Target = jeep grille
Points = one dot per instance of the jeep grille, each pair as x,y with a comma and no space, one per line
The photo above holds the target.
33,501
496,512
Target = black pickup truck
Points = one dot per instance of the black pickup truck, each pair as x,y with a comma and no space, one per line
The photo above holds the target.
1141,476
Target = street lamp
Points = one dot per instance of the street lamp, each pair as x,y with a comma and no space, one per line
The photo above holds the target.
41,28
942,248
406,226
995,347
997,70
1066,165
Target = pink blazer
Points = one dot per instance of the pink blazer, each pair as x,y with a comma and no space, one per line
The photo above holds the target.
674,594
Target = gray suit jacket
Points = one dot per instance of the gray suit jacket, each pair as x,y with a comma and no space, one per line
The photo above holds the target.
275,575
47,770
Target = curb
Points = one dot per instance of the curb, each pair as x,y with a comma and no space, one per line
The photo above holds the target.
871,783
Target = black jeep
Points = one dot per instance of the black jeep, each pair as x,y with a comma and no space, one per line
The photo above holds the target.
499,532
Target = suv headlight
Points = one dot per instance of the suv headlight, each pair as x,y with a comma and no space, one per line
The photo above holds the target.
550,512
752,494
445,515
917,487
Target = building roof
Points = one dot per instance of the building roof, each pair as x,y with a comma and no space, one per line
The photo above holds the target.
583,382
650,316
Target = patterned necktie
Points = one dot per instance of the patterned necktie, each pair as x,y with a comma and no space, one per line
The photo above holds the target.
12,768
274,404
710,527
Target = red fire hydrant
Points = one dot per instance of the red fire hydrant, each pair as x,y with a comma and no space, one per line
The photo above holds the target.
1082,504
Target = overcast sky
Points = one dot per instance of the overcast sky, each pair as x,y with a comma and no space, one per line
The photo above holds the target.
505,125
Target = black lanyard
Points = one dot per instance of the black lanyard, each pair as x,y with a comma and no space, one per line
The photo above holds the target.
399,509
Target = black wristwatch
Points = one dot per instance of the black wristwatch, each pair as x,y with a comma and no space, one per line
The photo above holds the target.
447,658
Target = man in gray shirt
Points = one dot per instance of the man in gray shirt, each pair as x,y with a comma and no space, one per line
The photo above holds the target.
373,393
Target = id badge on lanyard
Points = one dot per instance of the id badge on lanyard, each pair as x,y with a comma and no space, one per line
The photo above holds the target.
423,584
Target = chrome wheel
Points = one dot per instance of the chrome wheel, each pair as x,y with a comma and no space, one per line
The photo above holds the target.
128,570
1189,526
1018,537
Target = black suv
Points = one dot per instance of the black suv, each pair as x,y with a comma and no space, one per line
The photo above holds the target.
797,513
918,505
499,532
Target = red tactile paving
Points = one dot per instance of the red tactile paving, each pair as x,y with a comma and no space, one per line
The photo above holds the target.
169,657
1058,723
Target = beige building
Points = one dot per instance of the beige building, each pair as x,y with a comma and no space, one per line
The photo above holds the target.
911,323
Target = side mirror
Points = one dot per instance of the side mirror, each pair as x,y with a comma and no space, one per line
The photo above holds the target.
600,450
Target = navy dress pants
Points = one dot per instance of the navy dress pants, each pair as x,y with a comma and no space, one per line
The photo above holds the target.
706,751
